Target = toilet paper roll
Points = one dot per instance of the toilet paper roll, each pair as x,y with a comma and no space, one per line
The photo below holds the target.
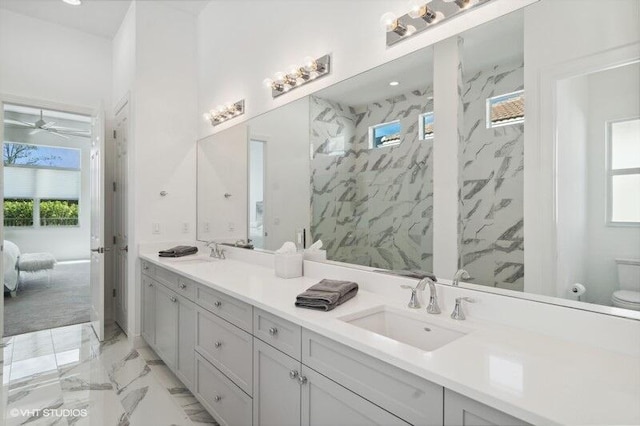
578,289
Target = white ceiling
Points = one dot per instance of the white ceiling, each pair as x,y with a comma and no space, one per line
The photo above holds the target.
98,17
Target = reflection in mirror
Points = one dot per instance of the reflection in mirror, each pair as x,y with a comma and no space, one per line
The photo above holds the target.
257,161
372,166
283,134
222,185
598,186
491,154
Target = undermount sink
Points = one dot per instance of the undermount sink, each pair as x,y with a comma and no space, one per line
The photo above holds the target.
404,327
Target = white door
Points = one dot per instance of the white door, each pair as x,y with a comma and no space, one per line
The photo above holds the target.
120,214
97,223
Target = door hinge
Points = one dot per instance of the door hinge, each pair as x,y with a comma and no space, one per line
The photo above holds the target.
114,187
114,134
114,292
114,240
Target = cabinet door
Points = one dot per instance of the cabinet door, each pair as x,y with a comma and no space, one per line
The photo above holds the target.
462,411
166,319
148,310
186,341
324,403
276,390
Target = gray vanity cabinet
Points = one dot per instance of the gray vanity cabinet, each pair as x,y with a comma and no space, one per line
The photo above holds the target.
185,368
276,390
324,402
166,325
148,310
462,411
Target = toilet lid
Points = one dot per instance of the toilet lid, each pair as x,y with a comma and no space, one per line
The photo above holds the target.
627,296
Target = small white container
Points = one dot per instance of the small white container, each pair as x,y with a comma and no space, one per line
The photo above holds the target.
288,265
315,255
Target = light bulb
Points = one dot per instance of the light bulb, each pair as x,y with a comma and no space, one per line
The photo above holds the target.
268,82
416,8
389,21
394,83
73,2
279,76
220,109
293,69
462,4
206,116
309,62
411,30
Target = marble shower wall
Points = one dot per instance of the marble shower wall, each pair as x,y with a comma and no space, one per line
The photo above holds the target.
491,166
373,207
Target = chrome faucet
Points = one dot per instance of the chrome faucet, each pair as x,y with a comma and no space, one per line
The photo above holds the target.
458,313
460,274
414,302
216,251
432,307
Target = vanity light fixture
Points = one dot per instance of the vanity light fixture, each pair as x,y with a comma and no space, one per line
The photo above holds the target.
224,113
298,75
422,15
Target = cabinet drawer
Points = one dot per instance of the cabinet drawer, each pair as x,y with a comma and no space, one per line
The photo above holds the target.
148,268
236,312
462,411
409,397
279,333
186,288
166,277
227,347
228,404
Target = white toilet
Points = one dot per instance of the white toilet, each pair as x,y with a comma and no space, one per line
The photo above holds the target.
628,296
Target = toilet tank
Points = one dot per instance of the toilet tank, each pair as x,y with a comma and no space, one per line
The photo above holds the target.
628,274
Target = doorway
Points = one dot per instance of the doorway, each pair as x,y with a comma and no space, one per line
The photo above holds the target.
120,214
257,232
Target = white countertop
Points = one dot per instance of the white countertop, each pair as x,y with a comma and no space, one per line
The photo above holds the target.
539,379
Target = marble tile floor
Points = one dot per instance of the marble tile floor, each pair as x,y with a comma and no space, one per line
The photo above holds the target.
65,376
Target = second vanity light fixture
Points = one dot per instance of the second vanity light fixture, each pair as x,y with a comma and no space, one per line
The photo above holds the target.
422,15
298,75
224,113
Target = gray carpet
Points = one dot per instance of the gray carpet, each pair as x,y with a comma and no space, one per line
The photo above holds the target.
38,307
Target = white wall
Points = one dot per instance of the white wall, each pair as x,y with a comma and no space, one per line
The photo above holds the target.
154,62
241,43
573,105
613,95
45,61
560,38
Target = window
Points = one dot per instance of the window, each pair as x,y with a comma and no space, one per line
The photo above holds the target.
58,212
385,134
426,126
624,172
18,212
505,109
42,185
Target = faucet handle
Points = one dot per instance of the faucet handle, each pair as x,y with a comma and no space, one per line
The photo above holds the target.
414,303
458,313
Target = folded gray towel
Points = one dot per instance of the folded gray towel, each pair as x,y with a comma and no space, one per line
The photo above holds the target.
178,251
414,273
327,294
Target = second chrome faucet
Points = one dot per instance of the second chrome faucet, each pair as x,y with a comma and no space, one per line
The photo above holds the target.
414,303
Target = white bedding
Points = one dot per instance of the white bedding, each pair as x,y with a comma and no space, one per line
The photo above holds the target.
11,254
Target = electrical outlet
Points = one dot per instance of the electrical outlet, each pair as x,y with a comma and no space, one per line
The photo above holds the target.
232,227
185,228
207,228
276,221
156,228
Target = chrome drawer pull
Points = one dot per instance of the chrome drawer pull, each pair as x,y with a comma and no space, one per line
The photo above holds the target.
150,284
302,380
217,344
183,286
217,304
293,374
145,267
217,398
273,331
173,299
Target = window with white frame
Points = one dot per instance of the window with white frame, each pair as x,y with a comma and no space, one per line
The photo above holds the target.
624,172
505,109
426,125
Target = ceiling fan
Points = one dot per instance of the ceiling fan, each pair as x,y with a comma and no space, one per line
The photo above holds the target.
43,126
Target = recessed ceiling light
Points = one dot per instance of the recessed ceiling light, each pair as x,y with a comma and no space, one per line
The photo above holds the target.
394,83
73,2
